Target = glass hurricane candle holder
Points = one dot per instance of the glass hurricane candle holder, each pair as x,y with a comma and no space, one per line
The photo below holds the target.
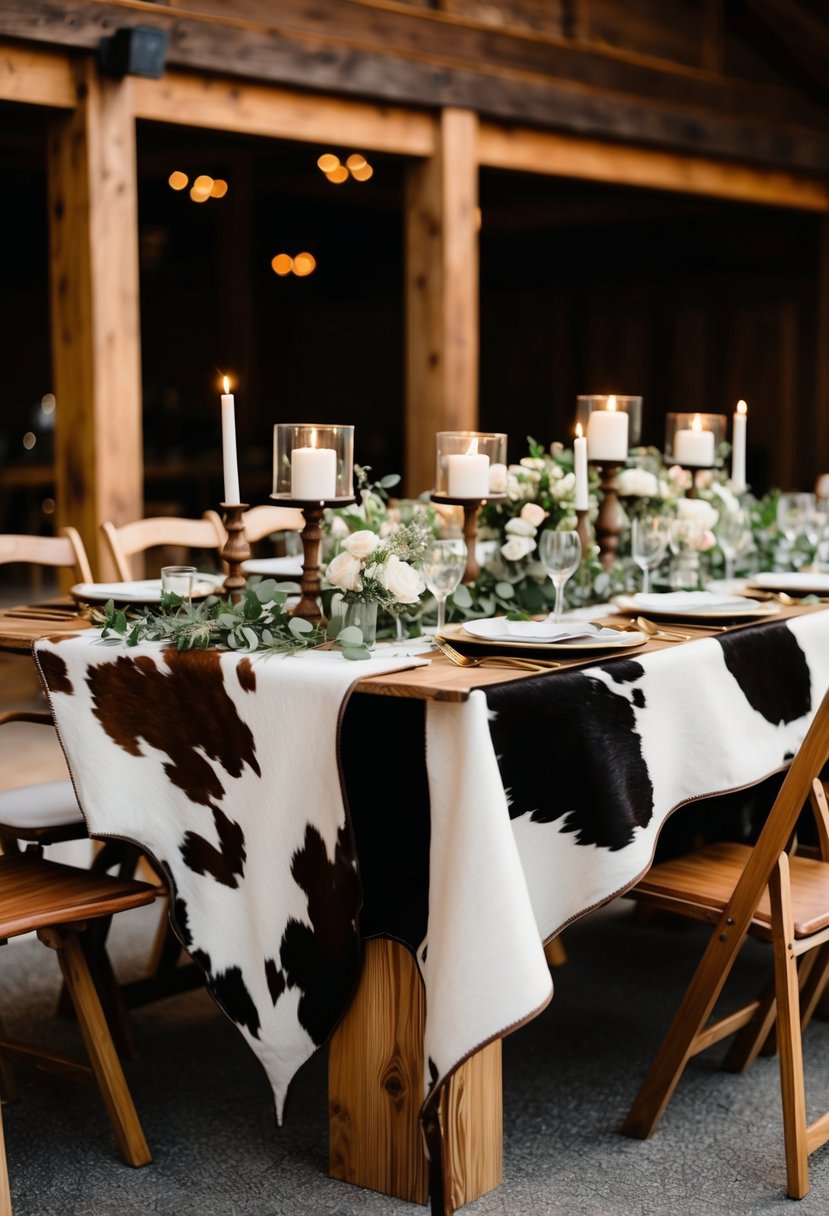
695,440
611,423
471,465
313,462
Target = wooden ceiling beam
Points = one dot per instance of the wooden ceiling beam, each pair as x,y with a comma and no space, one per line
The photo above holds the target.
36,76
436,64
222,104
546,152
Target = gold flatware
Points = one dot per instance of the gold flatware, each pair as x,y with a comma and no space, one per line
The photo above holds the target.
39,614
497,660
658,633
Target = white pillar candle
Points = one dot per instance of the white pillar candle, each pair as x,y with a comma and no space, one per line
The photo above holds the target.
607,434
738,448
231,468
694,447
580,469
313,473
467,475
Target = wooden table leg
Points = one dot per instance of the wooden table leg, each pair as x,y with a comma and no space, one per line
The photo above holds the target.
375,1091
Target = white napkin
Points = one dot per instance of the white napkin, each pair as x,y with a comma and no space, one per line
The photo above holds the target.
499,629
690,601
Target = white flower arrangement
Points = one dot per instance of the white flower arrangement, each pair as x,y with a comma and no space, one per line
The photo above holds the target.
371,567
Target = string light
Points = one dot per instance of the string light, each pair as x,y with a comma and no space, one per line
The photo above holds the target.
328,162
338,175
177,180
219,188
356,166
302,265
282,264
203,188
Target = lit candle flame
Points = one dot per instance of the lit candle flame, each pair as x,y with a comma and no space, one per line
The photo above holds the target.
226,382
611,401
578,430
742,408
696,425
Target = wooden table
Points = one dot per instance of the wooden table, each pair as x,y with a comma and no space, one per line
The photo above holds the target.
376,1055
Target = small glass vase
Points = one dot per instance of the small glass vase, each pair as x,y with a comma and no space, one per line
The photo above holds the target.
363,614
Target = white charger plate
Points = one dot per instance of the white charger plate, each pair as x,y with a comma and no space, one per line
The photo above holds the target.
139,591
491,635
791,580
685,605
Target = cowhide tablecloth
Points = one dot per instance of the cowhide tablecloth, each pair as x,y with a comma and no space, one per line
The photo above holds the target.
538,800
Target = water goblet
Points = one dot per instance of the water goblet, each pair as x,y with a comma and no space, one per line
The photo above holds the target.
443,565
179,580
648,543
733,535
792,514
560,554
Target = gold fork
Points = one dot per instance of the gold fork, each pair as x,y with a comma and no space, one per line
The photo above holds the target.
498,660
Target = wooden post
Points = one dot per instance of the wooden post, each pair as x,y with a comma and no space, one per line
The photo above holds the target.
441,295
93,227
821,411
375,1090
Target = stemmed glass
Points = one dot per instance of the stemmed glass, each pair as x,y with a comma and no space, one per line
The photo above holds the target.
560,554
443,565
648,542
733,536
792,514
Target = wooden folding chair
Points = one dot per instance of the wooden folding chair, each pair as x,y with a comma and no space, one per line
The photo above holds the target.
263,521
159,532
58,902
776,896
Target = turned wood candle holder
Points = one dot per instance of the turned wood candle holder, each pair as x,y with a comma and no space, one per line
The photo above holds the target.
235,549
583,531
471,509
610,519
311,536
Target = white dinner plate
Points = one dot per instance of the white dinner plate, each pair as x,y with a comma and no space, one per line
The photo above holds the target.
683,605
270,567
489,635
139,591
792,580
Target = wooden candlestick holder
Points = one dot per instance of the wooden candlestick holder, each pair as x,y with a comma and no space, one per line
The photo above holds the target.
311,536
235,549
583,531
471,508
610,520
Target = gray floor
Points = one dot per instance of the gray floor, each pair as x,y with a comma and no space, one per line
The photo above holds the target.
569,1078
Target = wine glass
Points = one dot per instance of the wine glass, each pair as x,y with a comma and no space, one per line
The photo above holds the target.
648,542
560,554
733,536
443,565
792,514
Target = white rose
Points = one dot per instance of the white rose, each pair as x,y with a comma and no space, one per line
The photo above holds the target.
681,478
360,544
519,526
497,478
517,547
533,513
698,511
564,488
534,463
344,572
637,483
403,581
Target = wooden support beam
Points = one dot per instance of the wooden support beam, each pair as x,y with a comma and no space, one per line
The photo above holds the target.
820,447
36,76
224,104
549,152
441,275
93,225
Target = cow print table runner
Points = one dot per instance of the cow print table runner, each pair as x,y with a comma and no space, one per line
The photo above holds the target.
225,769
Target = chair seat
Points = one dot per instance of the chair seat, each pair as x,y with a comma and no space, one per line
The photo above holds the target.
35,894
700,885
48,804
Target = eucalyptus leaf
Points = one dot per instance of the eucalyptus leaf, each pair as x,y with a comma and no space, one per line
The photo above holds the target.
505,590
462,596
298,625
352,635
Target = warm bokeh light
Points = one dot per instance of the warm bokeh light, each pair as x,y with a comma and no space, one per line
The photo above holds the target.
29,440
304,264
328,162
362,174
356,161
48,506
199,196
219,188
338,175
47,403
282,264
203,182
177,180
